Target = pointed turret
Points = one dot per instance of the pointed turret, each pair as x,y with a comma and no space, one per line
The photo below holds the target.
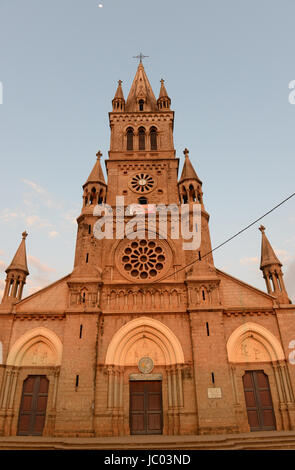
190,186
17,273
95,186
119,100
270,265
141,96
164,101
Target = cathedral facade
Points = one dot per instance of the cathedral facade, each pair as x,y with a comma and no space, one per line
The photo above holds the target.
144,336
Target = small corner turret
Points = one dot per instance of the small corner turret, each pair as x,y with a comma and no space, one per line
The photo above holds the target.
271,266
17,273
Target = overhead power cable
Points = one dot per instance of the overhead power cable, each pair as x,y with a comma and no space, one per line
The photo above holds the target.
228,240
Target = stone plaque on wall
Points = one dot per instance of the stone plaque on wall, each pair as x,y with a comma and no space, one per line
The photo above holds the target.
145,377
214,392
145,365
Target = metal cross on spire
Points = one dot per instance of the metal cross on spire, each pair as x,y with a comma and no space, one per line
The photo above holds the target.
140,57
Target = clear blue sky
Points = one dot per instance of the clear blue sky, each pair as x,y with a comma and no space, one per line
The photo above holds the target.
226,64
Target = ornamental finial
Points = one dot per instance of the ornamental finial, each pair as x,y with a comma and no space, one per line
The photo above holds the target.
186,152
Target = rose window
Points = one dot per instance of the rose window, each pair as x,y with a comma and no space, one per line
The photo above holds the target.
142,183
144,259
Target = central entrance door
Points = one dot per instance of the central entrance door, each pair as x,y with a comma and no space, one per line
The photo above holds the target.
146,407
258,401
32,412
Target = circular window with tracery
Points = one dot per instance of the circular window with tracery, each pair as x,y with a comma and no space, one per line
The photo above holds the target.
143,259
142,183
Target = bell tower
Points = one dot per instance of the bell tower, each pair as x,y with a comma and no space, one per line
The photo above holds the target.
142,164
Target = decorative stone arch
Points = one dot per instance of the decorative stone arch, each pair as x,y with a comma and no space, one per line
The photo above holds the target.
257,333
270,358
153,330
29,339
45,348
123,354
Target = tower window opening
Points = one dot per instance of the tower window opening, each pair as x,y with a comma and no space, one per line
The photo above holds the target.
89,229
271,282
100,197
80,334
278,281
83,297
10,287
207,328
153,137
212,377
87,257
92,196
184,198
192,193
203,294
142,200
141,103
141,138
17,288
86,201
130,135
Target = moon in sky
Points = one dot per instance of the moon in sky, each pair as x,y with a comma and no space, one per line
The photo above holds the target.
100,5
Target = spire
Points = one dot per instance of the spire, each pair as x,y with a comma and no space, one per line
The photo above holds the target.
119,100
189,185
95,186
188,171
141,96
96,175
268,256
163,101
19,261
17,273
119,93
270,265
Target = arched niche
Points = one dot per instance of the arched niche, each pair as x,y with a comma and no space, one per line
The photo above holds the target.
144,336
39,346
252,342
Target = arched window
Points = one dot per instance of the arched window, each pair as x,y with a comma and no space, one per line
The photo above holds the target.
278,281
153,137
184,195
100,197
130,135
192,193
142,200
271,281
141,103
141,138
10,287
92,196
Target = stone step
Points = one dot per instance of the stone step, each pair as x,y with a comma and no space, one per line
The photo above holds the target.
272,440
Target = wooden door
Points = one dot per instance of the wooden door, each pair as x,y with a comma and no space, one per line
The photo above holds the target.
146,407
258,401
32,412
